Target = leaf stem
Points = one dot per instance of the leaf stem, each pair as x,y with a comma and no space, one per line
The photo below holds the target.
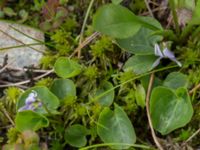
137,77
174,14
111,144
148,112
19,46
85,21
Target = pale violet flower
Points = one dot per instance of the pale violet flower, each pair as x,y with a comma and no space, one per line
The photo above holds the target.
166,53
31,98
31,102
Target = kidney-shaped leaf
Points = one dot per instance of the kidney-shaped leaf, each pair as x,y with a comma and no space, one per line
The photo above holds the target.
48,99
76,135
115,127
66,68
63,88
143,41
116,21
108,98
140,63
29,120
170,110
176,80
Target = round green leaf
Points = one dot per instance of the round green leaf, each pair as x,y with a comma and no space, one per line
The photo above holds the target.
108,98
76,135
63,88
176,80
115,127
48,99
66,68
29,120
170,110
116,21
135,45
140,63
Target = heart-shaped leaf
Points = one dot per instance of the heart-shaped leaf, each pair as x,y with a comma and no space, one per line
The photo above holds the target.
48,99
108,98
176,80
143,41
66,68
140,63
115,127
76,135
170,110
63,88
30,120
116,21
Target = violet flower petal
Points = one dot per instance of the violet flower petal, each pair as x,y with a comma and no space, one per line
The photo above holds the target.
26,107
31,98
176,61
169,54
156,63
23,108
157,51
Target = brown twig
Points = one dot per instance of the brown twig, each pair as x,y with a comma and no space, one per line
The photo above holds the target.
148,7
7,115
148,113
26,69
193,135
194,89
6,66
27,81
84,43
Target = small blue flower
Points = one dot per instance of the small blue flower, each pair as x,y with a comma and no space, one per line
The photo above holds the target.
31,102
166,53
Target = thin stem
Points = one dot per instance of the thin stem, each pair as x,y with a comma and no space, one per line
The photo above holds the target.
137,77
84,43
85,21
148,113
113,144
19,41
194,89
193,135
18,46
39,41
174,14
27,81
148,7
6,66
7,115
